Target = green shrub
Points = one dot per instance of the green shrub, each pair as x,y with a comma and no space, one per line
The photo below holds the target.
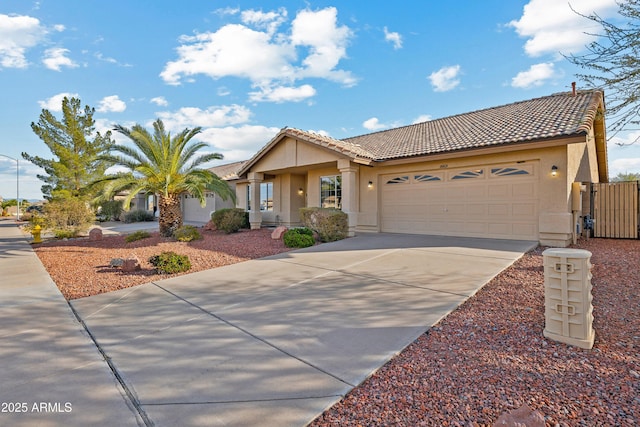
110,210
137,235
230,220
170,263
298,238
67,217
187,233
330,224
138,215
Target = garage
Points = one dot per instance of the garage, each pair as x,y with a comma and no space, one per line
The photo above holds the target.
497,201
192,210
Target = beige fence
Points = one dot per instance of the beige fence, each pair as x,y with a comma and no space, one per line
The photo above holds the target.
615,210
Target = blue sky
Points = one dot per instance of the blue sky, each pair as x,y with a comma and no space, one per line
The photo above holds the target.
242,70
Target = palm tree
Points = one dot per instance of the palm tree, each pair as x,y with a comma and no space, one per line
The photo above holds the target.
165,166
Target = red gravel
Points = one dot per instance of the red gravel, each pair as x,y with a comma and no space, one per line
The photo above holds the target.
80,267
489,357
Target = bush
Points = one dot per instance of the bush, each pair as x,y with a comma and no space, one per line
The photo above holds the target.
110,210
298,238
170,263
230,220
187,233
138,215
137,235
67,217
330,224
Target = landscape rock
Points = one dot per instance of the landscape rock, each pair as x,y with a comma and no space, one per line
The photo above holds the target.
278,232
116,262
95,234
521,417
130,264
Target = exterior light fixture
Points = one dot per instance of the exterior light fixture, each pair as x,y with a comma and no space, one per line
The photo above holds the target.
370,184
300,191
554,170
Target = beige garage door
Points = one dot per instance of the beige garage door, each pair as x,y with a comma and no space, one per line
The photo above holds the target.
499,201
192,211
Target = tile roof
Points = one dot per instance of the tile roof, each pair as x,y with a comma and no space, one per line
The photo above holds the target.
540,119
554,116
228,171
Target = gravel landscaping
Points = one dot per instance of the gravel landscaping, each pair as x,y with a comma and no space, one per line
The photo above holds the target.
489,357
81,267
486,358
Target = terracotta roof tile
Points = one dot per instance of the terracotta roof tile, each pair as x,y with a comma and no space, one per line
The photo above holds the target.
228,171
553,116
344,146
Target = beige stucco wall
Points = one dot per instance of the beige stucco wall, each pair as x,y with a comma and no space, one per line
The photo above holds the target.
297,164
291,153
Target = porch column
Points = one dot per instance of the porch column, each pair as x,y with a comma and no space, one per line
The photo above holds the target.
255,216
349,193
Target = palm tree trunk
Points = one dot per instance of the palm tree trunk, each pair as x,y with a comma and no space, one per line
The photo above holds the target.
170,218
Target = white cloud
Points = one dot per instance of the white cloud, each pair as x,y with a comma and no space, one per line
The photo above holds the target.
327,43
160,101
55,58
445,79
534,76
552,27
266,56
55,102
233,50
111,104
269,21
393,37
283,94
627,165
373,124
422,118
215,116
18,33
237,143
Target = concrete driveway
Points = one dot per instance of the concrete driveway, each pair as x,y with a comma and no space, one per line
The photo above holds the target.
276,341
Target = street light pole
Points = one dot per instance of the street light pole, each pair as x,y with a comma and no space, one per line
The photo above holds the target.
17,183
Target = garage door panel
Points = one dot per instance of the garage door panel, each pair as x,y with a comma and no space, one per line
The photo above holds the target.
527,210
525,190
492,201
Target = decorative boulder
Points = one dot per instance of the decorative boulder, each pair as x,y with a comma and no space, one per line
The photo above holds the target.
278,232
521,417
130,264
95,234
116,262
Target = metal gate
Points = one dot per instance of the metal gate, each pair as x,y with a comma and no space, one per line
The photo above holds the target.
615,209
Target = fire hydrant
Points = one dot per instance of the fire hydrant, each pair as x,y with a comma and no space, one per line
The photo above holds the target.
36,234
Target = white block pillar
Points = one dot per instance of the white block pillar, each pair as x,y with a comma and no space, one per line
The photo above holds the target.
255,216
349,192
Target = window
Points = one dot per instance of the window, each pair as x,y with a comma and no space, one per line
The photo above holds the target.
476,173
426,178
331,191
266,196
509,171
398,180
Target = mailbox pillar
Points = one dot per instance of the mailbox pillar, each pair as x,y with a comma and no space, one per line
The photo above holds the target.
567,297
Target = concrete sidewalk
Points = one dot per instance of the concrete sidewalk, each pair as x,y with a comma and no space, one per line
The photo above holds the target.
52,373
276,341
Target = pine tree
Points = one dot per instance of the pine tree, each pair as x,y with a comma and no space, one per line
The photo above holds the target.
76,149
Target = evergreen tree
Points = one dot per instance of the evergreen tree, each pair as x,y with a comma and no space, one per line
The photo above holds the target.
612,63
76,149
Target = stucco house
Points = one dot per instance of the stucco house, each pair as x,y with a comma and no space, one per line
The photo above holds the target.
506,172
